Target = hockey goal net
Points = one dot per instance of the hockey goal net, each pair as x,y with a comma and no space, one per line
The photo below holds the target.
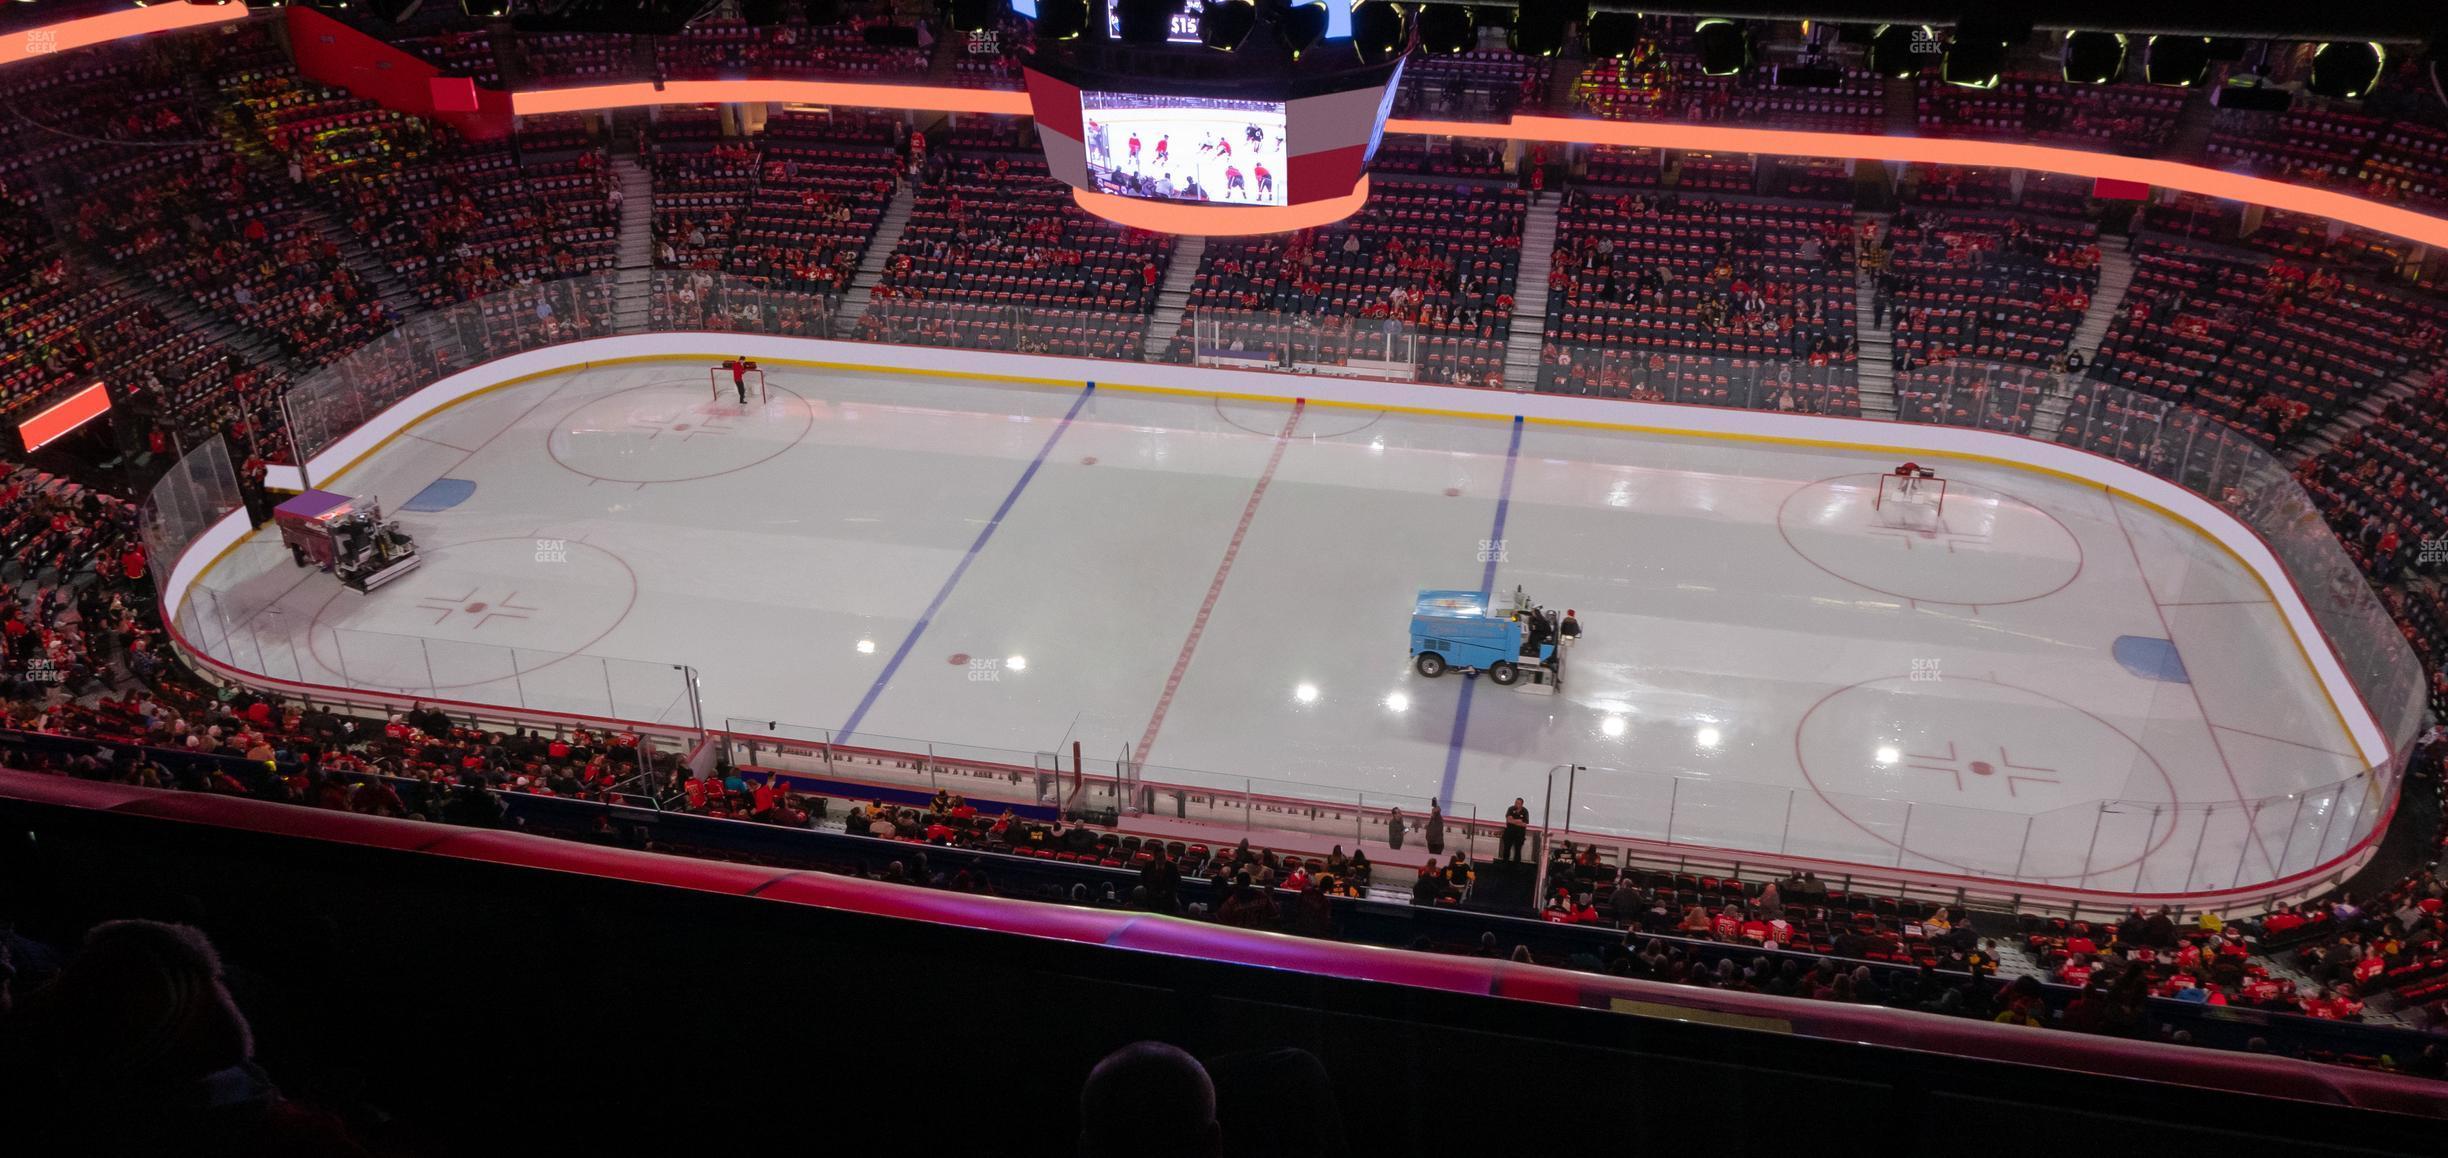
1921,494
718,377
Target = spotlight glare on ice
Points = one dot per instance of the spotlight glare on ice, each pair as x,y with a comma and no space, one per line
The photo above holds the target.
1398,702
1889,755
1016,663
1306,693
866,647
1708,737
1612,725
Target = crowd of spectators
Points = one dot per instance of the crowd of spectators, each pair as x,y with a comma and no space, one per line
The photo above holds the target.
2384,487
1986,286
204,223
456,218
997,255
2135,119
2391,943
1794,936
76,601
793,207
1673,297
2277,347
1661,79
1423,274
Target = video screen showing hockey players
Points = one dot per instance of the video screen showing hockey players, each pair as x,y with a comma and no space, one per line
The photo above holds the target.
1185,148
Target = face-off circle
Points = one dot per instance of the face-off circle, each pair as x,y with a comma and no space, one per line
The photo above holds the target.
2002,781
1987,548
490,613
669,432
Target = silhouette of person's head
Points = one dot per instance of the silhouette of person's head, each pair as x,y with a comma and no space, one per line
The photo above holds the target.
1146,1100
143,1002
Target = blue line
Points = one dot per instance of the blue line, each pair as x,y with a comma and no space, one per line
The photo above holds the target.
1487,589
1504,506
987,532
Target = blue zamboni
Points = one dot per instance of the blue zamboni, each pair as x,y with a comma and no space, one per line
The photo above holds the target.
1458,631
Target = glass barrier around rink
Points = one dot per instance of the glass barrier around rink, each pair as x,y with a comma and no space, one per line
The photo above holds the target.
2231,466
1382,348
324,406
1338,814
1240,806
914,765
2234,467
2134,846
198,491
234,621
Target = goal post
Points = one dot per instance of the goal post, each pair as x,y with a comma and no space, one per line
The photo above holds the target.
1902,495
718,380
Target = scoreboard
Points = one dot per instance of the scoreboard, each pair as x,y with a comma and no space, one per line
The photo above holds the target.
1184,28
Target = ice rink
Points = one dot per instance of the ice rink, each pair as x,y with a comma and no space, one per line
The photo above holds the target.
2047,685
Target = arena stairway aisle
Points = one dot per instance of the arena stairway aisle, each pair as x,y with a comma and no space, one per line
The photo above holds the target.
637,213
1874,363
1903,114
1874,369
182,311
2190,142
635,261
2107,301
1563,70
879,251
2362,414
1529,321
368,265
1173,296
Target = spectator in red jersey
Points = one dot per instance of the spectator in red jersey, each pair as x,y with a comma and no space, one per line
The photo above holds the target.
1727,924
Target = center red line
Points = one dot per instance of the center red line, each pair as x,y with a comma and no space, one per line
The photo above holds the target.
2160,610
1215,586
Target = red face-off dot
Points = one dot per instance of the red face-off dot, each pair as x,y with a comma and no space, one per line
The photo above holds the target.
473,608
957,658
1453,492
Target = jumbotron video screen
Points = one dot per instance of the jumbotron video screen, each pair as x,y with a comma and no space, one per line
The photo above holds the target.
1183,148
